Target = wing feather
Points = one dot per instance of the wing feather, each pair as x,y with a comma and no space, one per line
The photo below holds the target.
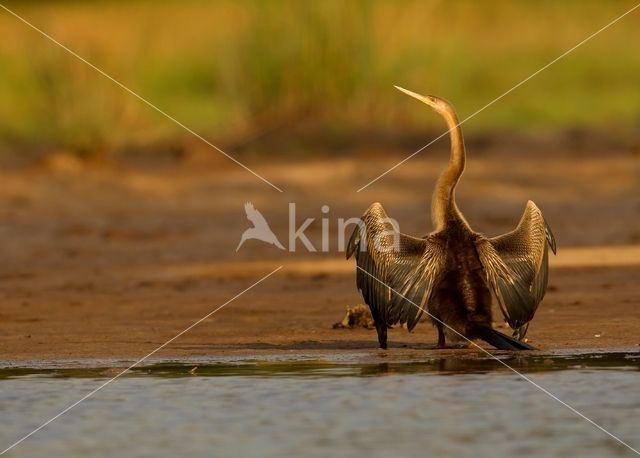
517,266
395,271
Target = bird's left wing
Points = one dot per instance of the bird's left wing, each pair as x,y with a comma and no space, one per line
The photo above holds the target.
396,273
516,265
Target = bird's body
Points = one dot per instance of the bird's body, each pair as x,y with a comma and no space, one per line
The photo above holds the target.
462,298
452,272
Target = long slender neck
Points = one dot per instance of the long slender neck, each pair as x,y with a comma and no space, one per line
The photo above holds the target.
443,204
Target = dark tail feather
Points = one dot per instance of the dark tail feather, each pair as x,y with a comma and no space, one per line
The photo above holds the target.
500,340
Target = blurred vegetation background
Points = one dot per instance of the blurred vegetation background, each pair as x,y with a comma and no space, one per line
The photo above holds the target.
240,72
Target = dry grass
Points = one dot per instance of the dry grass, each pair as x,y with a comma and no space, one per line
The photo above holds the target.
229,69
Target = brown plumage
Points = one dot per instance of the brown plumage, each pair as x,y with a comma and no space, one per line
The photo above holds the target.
452,272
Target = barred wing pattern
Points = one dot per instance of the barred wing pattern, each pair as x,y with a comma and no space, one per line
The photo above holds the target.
516,265
396,273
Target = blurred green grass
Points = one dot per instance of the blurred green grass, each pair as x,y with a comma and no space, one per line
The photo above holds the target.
232,70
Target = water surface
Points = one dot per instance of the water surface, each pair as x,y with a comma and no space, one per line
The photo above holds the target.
330,407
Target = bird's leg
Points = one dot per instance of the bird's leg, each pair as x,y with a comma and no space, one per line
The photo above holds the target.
382,335
441,339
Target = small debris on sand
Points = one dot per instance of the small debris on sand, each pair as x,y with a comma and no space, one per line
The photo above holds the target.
113,371
358,316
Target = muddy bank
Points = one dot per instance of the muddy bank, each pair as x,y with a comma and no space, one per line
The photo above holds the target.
127,316
101,262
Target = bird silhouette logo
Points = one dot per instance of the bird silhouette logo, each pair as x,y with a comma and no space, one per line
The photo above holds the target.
260,229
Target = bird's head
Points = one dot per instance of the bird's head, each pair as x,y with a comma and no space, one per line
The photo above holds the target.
439,105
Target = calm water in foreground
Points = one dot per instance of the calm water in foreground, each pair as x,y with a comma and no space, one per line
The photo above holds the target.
436,407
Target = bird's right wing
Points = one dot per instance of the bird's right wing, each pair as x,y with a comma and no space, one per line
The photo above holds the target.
396,273
517,266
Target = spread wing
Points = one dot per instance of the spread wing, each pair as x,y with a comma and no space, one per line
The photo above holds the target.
395,272
516,264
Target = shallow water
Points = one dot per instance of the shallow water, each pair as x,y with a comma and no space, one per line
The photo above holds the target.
452,406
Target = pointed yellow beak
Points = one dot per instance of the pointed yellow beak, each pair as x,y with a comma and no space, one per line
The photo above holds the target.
425,99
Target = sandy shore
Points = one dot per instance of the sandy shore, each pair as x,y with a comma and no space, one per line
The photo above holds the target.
586,307
111,263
